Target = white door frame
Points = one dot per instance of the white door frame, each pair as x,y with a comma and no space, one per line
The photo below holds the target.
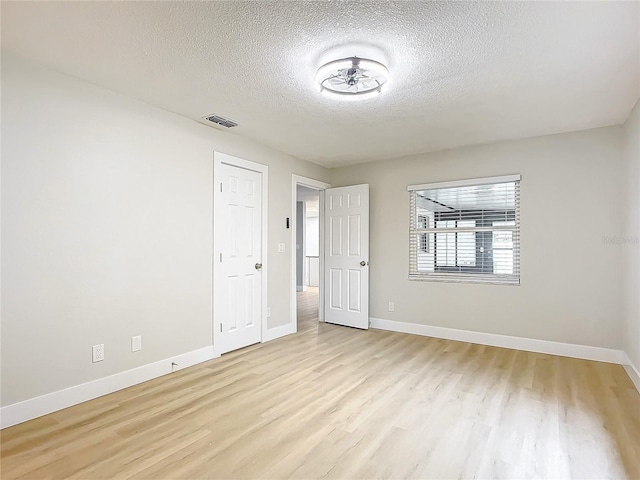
219,159
320,186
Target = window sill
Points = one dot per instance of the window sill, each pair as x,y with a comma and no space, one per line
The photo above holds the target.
458,279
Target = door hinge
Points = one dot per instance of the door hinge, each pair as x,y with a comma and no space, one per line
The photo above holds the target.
220,188
220,328
221,257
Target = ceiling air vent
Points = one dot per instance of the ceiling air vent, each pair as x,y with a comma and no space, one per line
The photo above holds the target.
217,119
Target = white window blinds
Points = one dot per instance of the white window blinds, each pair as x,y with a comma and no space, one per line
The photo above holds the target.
466,231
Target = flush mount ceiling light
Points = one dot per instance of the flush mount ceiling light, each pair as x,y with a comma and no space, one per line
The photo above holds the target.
352,77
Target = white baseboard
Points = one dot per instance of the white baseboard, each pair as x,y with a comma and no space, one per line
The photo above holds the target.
277,332
52,402
518,343
631,370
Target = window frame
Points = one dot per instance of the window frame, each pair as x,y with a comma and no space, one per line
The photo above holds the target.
458,273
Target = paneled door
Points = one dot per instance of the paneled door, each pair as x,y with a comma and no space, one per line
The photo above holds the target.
347,256
238,266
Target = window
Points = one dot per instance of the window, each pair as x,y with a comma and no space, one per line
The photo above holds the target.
466,231
423,244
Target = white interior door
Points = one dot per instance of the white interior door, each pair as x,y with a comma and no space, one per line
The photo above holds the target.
238,281
347,256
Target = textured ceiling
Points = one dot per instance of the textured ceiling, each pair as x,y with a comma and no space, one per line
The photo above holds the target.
461,73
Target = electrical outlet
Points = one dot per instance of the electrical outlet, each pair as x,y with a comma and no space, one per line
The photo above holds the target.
281,248
268,312
97,353
392,307
136,343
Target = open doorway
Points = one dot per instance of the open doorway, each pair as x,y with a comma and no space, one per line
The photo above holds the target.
308,257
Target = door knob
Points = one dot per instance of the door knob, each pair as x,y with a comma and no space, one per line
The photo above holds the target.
258,266
363,263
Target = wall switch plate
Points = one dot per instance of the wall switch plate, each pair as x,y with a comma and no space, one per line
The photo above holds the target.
281,248
268,312
97,353
392,307
136,343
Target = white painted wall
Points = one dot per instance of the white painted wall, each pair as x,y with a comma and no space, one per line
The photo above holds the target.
300,246
312,249
107,230
571,281
631,233
312,237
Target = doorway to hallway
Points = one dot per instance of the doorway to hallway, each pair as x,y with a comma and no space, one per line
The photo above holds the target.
307,247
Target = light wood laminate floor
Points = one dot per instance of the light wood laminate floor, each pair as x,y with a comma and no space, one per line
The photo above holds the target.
335,402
